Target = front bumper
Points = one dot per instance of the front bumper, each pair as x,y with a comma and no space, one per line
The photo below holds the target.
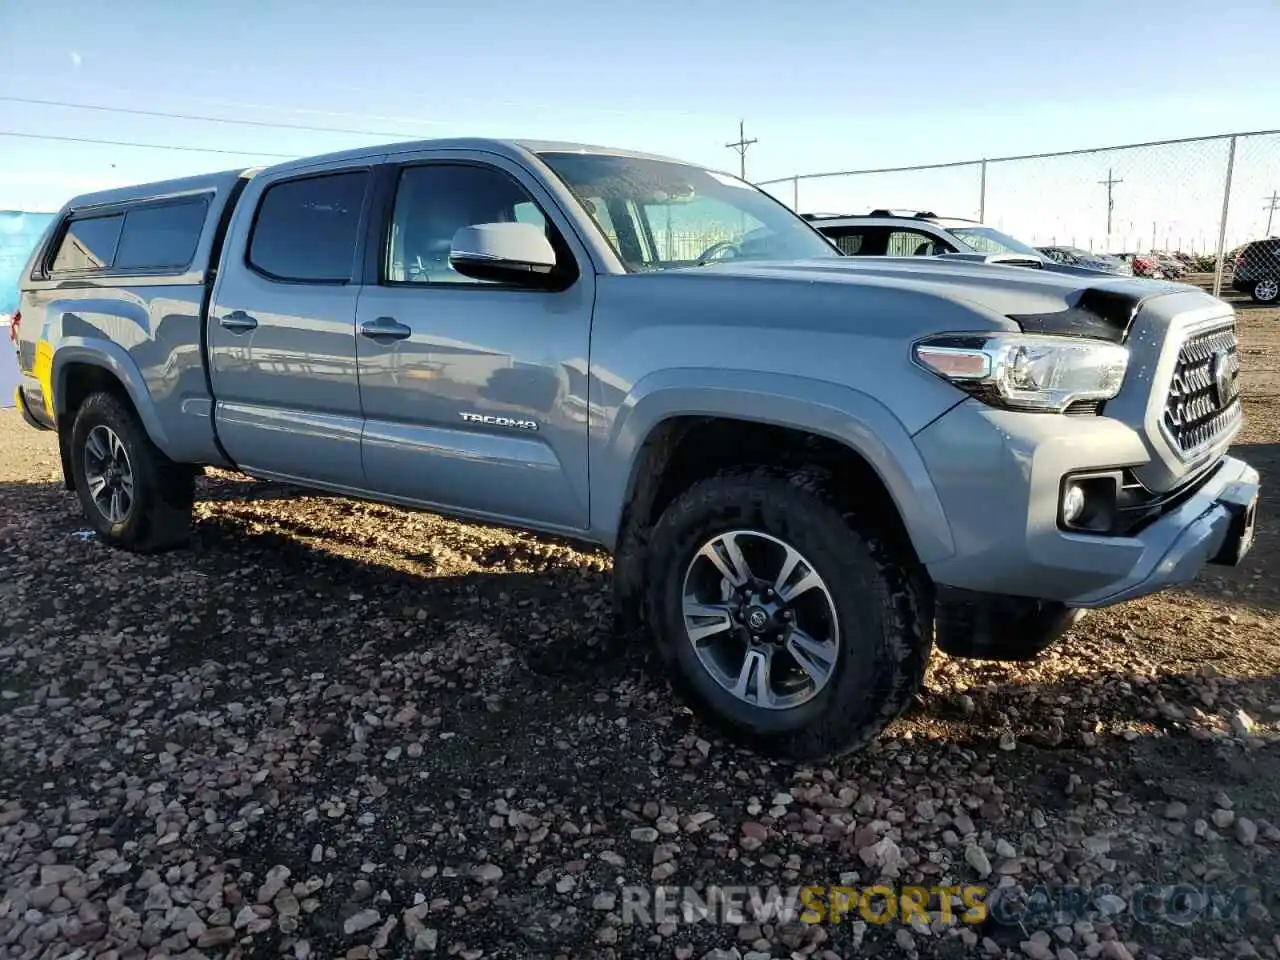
1216,526
998,475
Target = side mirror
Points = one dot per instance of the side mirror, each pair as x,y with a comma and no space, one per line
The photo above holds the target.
517,253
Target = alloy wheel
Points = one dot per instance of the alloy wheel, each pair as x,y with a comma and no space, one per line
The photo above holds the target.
108,473
760,619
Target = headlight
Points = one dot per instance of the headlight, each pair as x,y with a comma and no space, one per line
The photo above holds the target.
1026,372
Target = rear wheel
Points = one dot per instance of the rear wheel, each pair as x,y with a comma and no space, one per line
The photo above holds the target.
1266,291
132,494
786,620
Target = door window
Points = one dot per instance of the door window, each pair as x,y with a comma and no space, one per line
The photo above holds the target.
306,229
435,201
848,239
912,243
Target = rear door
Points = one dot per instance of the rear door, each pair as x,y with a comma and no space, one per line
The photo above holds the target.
467,386
281,328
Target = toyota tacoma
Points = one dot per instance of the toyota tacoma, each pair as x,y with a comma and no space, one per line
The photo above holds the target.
810,468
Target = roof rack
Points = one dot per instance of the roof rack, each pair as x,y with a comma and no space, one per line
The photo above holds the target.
917,215
901,213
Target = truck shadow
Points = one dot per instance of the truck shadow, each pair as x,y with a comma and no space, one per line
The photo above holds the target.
524,620
446,686
1254,585
553,613
556,618
224,486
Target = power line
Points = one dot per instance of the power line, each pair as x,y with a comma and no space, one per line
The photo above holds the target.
204,119
1025,156
98,88
146,146
378,91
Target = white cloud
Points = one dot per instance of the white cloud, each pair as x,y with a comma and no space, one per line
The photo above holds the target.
76,59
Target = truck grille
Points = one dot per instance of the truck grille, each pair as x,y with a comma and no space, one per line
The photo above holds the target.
1204,396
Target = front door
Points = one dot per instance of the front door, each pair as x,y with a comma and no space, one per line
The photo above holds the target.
281,327
466,385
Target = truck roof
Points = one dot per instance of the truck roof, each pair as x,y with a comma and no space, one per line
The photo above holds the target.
200,183
512,149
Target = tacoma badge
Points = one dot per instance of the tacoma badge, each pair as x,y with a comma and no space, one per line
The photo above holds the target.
500,421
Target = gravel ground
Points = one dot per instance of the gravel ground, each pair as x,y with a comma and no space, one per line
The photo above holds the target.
333,728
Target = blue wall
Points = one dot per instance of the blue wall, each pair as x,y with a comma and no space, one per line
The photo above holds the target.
19,234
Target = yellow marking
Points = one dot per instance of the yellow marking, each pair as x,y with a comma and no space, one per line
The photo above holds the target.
43,371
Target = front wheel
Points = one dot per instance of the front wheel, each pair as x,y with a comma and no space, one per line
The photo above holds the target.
1266,291
785,619
132,494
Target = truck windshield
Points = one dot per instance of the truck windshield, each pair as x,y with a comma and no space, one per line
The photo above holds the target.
661,215
987,240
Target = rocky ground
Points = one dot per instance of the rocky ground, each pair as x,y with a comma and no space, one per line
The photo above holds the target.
339,729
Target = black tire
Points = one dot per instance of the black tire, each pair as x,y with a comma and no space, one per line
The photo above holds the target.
159,516
1266,290
879,596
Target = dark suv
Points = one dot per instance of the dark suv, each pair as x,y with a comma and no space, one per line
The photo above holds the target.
1257,270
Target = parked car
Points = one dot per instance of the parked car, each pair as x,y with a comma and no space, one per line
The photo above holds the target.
807,466
1102,262
891,233
888,233
1170,267
1142,265
1257,270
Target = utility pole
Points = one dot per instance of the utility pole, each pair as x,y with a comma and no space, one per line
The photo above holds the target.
1273,204
1109,183
741,147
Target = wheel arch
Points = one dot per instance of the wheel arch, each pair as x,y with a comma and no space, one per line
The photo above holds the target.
691,423
82,365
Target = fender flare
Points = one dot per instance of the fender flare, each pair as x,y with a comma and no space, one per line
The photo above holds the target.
115,360
850,417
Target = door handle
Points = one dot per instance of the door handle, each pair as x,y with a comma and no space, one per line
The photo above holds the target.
385,328
238,322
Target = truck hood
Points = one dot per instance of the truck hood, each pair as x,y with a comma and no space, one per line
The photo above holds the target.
1087,304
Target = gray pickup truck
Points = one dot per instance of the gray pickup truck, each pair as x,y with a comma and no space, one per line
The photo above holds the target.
809,468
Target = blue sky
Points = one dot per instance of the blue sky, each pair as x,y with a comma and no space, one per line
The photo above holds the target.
823,85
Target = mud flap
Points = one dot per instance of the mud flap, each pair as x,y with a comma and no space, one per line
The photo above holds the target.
988,626
64,454
20,400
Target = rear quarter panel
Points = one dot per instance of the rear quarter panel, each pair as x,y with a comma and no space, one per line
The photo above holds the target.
147,334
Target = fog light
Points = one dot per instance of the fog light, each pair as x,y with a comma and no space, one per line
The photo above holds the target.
1072,503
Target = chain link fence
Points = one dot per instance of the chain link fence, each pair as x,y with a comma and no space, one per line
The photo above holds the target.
1196,206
